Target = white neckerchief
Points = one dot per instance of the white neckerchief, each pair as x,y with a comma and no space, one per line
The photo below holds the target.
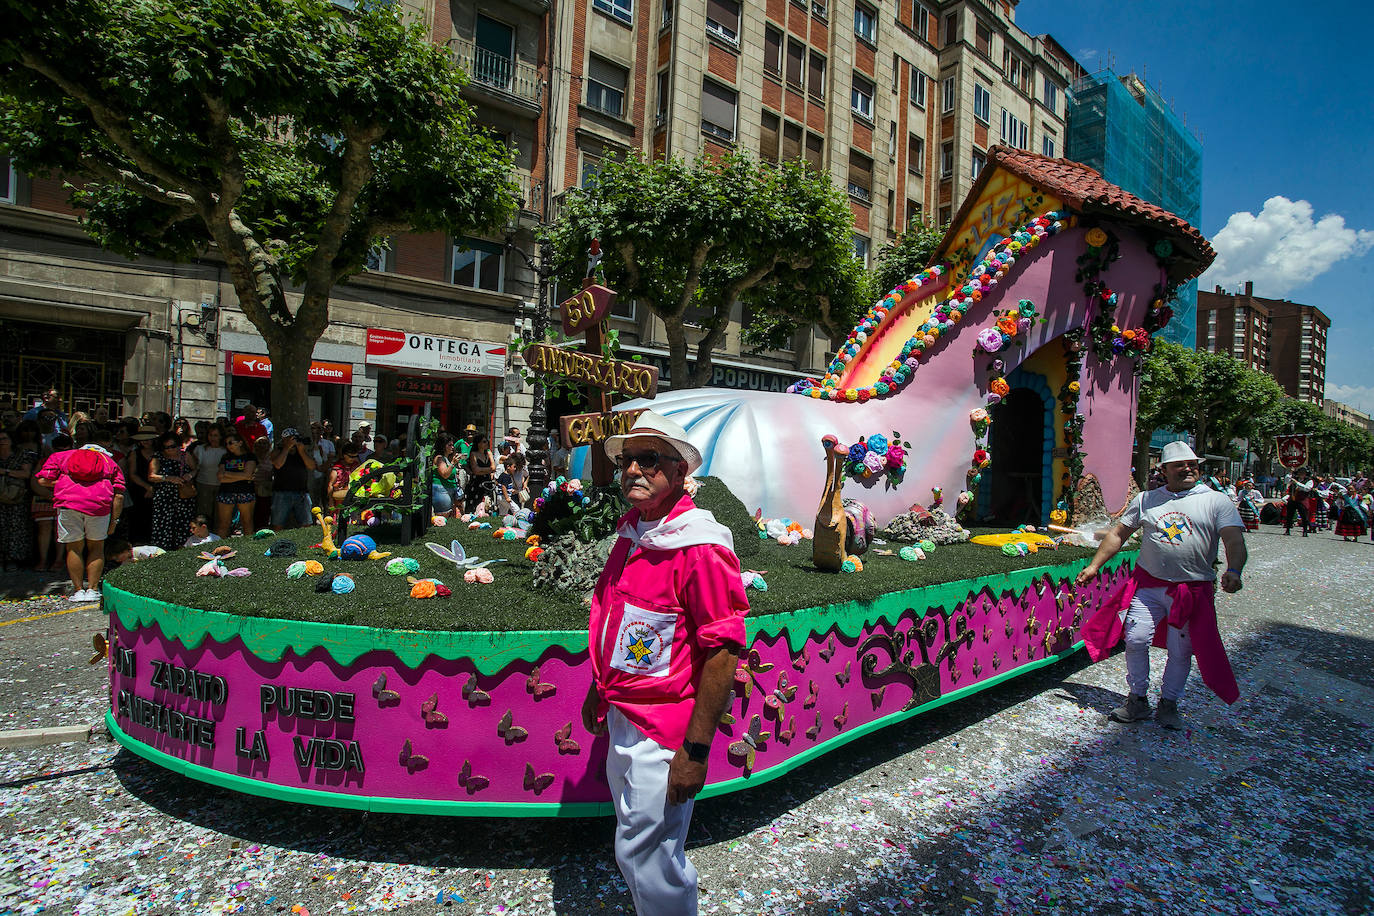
693,527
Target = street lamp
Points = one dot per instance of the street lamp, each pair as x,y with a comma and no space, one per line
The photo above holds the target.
537,447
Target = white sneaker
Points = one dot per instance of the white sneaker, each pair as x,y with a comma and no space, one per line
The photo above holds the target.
85,594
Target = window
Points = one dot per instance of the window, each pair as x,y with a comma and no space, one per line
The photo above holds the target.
772,51
982,103
1017,70
381,258
722,20
918,88
921,17
815,76
618,9
1047,147
951,29
865,23
591,164
946,214
976,164
1013,130
493,53
946,159
770,128
860,177
606,86
661,102
915,154
623,307
478,264
861,246
947,103
1051,95
815,152
892,141
982,38
914,215
718,110
796,57
896,72
861,97
791,141
7,181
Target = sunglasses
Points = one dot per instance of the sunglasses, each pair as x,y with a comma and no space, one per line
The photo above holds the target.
647,461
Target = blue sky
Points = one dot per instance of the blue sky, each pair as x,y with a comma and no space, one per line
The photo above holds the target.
1280,95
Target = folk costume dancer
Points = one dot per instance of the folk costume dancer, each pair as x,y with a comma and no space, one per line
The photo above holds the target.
1351,521
1300,501
1170,596
1247,503
667,624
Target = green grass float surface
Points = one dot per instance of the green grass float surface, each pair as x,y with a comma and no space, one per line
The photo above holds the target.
512,602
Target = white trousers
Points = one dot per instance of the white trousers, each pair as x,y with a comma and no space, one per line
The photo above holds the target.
1148,608
651,833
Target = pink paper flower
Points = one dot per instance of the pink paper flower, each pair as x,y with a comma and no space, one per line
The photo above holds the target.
478,576
874,462
895,455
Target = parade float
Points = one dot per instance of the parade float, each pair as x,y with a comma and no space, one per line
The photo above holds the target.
1001,380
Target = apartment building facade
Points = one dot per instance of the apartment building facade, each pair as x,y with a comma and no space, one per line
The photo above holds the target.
1348,414
1283,338
896,102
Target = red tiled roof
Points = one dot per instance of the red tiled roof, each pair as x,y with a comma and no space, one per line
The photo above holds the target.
1083,189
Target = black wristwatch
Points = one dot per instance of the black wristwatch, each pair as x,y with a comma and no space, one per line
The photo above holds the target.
696,752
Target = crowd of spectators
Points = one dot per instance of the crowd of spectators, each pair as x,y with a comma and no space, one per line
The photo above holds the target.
177,482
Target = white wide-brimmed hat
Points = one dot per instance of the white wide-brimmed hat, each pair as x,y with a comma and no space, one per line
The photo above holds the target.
650,424
1177,451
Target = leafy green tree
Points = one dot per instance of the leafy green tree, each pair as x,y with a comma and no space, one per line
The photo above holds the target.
1211,395
689,239
904,257
287,135
1169,387
1230,395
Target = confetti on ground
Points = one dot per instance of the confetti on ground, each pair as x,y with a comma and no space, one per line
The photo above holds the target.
1021,799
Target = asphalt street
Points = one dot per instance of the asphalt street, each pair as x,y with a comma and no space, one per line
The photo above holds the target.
1024,799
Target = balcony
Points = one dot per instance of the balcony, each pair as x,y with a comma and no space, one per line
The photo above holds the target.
531,194
498,79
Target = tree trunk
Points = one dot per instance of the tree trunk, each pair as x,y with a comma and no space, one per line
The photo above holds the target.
291,355
677,353
1142,456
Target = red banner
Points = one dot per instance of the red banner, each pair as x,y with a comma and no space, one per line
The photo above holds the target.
1292,451
251,365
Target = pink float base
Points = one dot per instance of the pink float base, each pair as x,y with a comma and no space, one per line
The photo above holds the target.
442,736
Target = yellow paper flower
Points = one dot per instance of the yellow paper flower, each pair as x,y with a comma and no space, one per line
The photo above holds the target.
1096,237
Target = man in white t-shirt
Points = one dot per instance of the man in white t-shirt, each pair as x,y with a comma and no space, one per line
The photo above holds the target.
1183,522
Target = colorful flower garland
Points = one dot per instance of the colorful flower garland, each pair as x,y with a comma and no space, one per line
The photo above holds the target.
1009,324
876,455
980,420
1073,426
982,278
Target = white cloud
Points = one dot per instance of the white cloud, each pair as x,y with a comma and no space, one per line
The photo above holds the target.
1282,248
1360,397
1087,55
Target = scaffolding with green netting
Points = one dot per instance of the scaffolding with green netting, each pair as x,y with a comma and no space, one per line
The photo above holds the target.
1125,130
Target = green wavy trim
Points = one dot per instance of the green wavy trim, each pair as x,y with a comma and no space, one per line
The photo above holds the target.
269,639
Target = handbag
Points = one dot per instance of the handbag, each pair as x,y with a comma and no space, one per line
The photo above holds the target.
186,490
12,491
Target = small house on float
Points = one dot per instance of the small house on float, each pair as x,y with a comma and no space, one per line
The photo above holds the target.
1037,308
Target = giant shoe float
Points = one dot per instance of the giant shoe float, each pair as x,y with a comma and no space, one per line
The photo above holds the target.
1041,299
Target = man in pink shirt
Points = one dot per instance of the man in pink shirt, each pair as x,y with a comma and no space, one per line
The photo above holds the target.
667,624
88,493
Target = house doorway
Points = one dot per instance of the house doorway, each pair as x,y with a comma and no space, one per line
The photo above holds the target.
1015,481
